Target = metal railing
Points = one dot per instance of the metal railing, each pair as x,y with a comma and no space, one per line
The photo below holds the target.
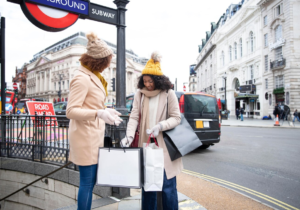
277,64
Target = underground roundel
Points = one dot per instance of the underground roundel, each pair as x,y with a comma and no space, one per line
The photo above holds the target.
47,18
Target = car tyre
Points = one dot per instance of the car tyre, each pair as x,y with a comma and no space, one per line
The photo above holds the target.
204,146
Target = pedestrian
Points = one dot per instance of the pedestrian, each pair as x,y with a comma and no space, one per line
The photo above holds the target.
242,114
237,113
296,116
88,115
228,113
276,111
150,108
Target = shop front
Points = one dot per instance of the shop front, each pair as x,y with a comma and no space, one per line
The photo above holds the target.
249,102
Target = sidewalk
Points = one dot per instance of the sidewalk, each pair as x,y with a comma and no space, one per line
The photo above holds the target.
250,122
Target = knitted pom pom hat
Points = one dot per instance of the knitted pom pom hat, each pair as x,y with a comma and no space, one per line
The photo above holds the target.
96,47
153,65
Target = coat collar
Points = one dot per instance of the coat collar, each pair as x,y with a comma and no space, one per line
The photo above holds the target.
93,77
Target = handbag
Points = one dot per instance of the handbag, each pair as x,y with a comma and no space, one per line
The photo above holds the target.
180,140
153,166
120,167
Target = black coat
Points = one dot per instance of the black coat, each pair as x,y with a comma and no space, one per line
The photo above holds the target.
276,111
237,112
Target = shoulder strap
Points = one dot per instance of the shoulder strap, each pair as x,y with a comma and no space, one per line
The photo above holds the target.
167,105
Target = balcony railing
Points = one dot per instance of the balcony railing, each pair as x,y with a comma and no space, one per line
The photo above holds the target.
277,64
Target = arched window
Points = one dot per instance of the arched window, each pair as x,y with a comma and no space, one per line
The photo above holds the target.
230,53
222,58
235,50
237,84
251,42
278,32
241,47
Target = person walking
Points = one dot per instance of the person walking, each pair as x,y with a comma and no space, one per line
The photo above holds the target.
276,111
88,115
296,116
242,114
150,109
237,113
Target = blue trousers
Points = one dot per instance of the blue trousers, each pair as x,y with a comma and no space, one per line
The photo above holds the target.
87,182
242,117
296,117
169,196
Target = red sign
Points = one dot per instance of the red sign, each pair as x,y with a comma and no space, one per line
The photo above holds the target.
15,86
40,108
184,88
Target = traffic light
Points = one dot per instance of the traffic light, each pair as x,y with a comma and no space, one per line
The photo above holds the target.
113,84
59,93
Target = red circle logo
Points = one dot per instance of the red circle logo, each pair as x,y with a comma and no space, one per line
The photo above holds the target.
47,18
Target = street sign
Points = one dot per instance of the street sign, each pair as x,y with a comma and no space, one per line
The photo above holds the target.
15,86
10,85
40,108
184,88
103,14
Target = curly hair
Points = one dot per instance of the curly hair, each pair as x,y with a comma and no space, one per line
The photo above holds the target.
160,82
95,64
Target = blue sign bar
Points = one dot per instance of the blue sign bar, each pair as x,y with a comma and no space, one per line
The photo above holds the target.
76,6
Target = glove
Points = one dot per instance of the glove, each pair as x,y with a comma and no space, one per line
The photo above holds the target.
107,117
126,142
155,130
113,112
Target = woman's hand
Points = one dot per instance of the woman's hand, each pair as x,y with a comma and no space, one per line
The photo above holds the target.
155,130
126,142
113,112
108,118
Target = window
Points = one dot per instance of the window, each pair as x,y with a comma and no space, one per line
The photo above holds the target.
265,20
266,81
287,98
258,106
54,85
278,54
235,50
278,10
251,72
67,83
222,58
266,40
251,42
270,99
266,63
230,53
210,57
278,32
241,47
279,81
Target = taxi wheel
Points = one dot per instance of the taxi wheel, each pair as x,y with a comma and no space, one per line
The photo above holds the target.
204,146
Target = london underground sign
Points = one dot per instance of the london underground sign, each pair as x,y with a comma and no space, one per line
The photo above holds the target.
57,15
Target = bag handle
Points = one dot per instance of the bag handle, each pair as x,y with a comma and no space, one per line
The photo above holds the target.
149,140
167,105
114,139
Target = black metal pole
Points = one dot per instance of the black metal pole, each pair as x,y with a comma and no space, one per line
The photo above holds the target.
3,84
121,58
225,95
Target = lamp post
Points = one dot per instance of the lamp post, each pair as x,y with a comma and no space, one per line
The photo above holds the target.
59,91
225,78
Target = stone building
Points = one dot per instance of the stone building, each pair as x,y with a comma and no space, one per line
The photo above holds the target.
52,69
280,53
20,78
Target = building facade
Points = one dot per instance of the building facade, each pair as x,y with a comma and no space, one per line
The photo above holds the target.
52,69
20,78
280,53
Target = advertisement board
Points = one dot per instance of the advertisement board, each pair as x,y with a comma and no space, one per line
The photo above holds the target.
40,108
192,69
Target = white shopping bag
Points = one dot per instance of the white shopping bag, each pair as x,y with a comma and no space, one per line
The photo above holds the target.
120,167
153,167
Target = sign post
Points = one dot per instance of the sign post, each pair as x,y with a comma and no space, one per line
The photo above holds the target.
184,88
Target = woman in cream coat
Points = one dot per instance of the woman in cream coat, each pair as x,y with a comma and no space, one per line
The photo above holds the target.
150,103
88,115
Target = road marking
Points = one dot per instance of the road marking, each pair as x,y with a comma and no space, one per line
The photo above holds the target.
241,188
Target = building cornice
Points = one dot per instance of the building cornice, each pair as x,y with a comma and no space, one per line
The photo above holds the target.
206,55
262,2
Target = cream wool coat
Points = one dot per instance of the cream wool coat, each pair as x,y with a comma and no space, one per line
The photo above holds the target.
172,168
86,132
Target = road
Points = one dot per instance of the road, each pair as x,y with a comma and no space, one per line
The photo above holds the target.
263,163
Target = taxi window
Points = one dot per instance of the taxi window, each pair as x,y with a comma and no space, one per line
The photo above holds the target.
59,107
200,104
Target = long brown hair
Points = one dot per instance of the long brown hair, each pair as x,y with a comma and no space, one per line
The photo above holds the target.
95,64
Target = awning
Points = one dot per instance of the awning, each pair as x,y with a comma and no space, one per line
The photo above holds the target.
245,95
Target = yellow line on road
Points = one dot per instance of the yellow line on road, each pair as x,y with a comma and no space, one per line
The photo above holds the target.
263,196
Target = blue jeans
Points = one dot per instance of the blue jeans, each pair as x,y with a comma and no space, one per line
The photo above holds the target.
169,196
87,181
242,117
296,117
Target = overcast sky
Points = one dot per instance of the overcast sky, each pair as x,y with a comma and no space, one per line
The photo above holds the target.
174,28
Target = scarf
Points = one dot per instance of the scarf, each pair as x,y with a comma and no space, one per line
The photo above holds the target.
102,80
144,123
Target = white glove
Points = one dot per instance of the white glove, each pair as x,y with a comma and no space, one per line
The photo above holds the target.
155,130
106,116
126,142
113,112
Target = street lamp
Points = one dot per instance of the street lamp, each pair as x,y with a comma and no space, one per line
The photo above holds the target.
225,77
59,91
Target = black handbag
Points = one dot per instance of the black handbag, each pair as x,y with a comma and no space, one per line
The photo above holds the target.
180,140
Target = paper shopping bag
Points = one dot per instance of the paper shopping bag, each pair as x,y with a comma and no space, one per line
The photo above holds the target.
153,167
120,167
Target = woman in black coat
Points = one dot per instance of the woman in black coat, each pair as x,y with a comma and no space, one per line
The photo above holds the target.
237,113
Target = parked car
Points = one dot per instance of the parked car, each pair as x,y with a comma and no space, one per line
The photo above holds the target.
60,109
201,111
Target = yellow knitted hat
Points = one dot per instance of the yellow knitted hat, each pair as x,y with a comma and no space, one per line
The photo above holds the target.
153,65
